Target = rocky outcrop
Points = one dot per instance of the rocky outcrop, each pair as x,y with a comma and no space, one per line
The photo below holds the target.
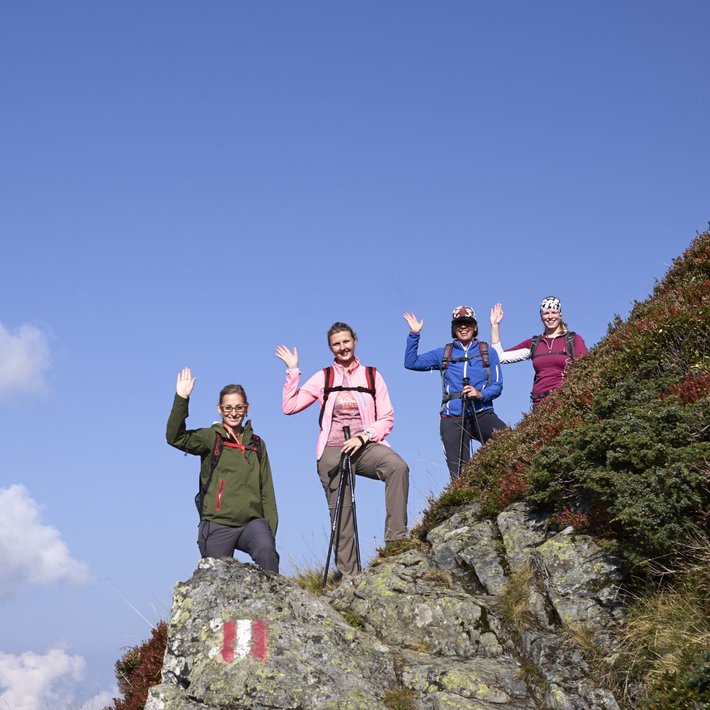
489,614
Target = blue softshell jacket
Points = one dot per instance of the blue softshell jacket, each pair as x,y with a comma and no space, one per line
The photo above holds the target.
456,371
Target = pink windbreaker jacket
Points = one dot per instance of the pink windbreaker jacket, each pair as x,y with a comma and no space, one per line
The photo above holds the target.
296,399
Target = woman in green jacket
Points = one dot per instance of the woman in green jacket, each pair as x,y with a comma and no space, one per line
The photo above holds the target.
236,499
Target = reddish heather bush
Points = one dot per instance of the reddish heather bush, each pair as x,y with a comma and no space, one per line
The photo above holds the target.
139,670
512,487
579,521
692,388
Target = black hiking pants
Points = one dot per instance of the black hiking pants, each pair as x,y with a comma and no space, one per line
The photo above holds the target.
481,428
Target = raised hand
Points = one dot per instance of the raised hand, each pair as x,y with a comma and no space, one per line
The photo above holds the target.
185,382
414,324
290,358
496,314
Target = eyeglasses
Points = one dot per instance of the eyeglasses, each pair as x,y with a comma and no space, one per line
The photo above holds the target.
228,408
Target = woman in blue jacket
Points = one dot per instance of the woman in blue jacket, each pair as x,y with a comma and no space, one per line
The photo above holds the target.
470,374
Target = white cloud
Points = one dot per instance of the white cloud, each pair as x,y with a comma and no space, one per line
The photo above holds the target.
31,552
101,700
34,682
24,358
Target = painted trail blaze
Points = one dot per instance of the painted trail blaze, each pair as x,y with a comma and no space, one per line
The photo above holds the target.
244,637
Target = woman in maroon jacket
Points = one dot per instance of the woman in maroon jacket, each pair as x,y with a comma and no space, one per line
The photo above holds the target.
551,352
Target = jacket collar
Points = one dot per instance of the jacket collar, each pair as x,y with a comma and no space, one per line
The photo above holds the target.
472,344
246,434
339,368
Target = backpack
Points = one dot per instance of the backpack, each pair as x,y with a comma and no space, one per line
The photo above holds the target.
569,345
219,443
485,358
329,373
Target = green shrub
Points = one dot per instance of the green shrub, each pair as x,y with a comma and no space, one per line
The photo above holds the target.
622,448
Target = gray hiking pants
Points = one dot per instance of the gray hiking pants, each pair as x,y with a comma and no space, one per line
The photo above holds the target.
254,538
374,461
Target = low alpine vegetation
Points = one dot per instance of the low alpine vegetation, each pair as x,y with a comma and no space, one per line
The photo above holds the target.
139,669
622,451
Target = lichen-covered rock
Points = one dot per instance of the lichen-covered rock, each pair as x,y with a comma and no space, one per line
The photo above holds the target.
475,683
240,637
407,602
496,614
522,530
448,701
582,582
564,671
466,541
170,697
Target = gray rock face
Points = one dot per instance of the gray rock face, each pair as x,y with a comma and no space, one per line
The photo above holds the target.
490,615
469,542
243,638
581,581
406,602
522,531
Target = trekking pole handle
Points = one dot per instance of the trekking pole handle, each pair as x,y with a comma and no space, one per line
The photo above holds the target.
346,432
466,381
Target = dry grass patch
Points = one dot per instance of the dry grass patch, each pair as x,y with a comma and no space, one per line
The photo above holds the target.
440,577
400,698
515,599
311,579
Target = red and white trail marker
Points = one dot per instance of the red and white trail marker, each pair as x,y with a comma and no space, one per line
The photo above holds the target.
242,638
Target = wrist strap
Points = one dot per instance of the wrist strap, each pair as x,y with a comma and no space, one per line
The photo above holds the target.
362,441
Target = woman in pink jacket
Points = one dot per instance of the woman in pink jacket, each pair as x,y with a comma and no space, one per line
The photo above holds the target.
354,396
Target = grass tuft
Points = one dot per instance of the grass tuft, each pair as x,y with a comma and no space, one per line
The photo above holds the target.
440,577
357,621
399,698
311,579
397,547
515,599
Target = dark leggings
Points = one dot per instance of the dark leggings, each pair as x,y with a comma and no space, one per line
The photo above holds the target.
481,427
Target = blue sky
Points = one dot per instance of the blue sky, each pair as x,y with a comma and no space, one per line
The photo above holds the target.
195,183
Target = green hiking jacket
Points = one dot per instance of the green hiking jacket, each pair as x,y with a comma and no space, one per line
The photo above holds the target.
241,488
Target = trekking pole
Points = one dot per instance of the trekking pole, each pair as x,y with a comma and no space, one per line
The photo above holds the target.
464,407
465,401
348,464
344,467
